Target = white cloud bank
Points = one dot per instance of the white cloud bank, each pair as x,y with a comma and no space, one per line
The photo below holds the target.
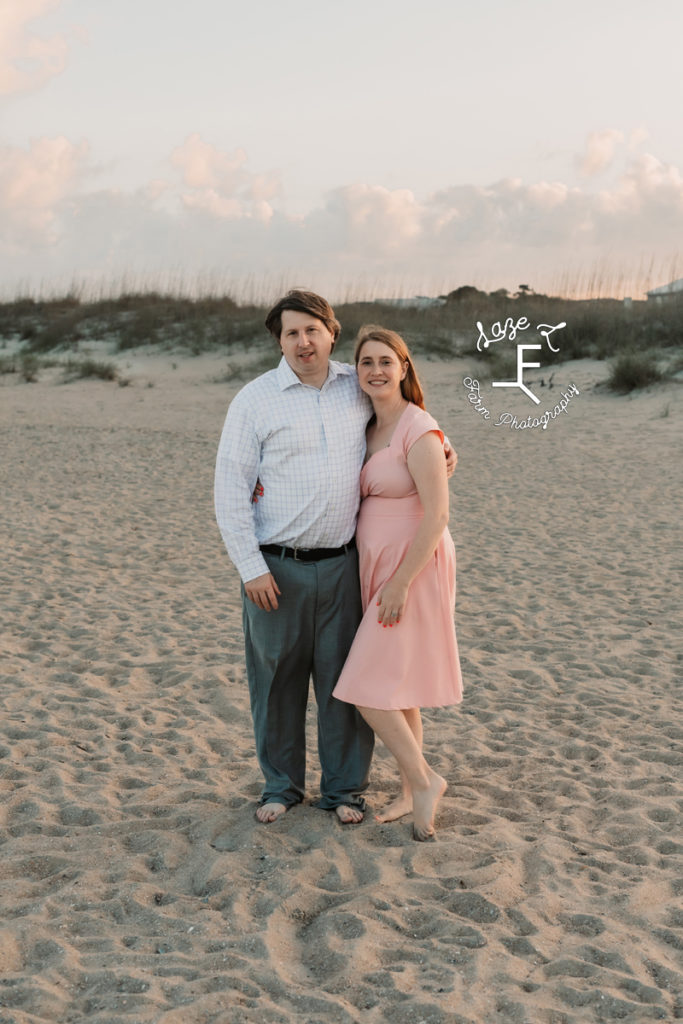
214,217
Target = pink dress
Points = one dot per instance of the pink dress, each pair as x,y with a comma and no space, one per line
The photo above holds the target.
414,663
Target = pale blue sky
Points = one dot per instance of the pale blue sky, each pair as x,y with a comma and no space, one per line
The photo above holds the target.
417,143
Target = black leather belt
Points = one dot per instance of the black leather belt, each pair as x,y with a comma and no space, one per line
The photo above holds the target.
308,554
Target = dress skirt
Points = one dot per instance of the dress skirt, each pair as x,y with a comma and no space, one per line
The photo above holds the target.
415,662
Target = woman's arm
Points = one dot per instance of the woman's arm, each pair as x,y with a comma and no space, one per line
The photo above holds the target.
427,468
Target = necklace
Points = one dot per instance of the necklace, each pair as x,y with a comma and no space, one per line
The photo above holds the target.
380,433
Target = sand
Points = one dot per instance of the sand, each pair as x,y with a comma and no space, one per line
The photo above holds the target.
137,885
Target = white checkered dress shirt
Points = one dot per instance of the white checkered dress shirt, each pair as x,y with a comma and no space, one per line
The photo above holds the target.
306,446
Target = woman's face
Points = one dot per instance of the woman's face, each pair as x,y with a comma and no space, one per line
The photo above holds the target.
380,371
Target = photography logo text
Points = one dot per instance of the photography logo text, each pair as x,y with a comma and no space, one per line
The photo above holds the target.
509,330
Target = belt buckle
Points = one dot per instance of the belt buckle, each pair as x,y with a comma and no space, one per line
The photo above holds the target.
295,554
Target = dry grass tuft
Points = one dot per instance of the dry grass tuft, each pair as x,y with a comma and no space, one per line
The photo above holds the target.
633,370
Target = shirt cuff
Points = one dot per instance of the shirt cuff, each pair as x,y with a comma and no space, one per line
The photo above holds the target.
252,567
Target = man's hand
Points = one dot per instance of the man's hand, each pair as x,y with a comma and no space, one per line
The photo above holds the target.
263,592
451,457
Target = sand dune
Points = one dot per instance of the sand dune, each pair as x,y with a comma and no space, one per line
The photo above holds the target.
137,885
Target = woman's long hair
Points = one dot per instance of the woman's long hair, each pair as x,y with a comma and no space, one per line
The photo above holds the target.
411,389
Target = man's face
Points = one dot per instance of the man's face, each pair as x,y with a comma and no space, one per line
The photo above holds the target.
306,345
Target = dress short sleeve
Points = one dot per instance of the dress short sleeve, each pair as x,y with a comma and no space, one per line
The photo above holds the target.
419,422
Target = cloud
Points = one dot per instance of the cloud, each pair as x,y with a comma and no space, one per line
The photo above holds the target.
204,166
217,215
645,205
34,183
507,212
637,137
28,60
220,183
375,219
648,178
599,152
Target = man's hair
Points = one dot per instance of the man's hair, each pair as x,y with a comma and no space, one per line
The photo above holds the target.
411,389
303,302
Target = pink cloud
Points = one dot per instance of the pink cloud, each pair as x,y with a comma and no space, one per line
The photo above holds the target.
376,219
217,214
220,183
204,166
33,184
27,60
599,152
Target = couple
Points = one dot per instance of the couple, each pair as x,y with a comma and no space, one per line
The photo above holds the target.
307,432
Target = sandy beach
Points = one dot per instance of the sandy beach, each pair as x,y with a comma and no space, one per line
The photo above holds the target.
136,884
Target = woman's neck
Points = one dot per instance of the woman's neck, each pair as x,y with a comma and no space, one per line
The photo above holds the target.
387,412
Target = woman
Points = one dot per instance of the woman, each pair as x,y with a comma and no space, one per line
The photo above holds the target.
405,654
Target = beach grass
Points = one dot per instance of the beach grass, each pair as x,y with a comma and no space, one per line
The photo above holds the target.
633,370
82,369
604,329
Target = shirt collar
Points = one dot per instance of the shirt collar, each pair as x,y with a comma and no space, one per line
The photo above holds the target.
286,378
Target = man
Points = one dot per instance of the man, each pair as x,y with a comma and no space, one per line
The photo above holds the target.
300,430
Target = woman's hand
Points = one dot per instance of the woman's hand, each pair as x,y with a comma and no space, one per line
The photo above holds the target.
390,603
258,492
451,457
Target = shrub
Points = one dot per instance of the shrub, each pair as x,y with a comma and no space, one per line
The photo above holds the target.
8,364
29,368
61,329
633,370
81,369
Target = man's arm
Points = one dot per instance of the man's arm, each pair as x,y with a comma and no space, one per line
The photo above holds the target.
237,466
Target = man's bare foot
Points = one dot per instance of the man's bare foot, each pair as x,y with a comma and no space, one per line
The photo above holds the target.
425,802
270,812
403,804
349,815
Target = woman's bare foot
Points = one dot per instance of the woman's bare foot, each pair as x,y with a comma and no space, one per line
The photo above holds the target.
349,815
270,812
425,802
403,804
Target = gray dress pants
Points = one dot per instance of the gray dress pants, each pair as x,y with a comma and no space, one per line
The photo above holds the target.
308,636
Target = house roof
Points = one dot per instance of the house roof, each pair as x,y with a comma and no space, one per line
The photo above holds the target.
668,289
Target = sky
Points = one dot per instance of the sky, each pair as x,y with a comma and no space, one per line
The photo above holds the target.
365,149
